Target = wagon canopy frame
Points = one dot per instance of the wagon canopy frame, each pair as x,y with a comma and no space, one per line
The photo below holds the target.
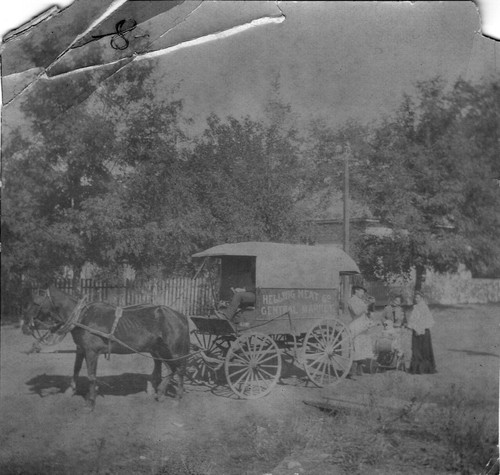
290,266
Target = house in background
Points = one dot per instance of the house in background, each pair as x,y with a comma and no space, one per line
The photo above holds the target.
331,230
325,212
326,227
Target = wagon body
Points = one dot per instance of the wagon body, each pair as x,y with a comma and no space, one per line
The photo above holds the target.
296,285
296,314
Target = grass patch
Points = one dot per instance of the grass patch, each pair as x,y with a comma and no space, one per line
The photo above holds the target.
256,445
452,436
469,431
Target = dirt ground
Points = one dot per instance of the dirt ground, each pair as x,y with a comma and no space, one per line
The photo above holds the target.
45,431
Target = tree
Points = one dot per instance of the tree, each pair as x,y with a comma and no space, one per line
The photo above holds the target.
110,185
431,172
46,184
249,177
51,175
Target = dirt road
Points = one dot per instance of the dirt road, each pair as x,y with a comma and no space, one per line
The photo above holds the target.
210,431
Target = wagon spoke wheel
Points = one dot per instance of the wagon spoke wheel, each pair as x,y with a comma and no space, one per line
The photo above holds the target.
327,353
253,365
208,359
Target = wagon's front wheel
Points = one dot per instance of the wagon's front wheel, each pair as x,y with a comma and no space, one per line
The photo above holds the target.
253,365
327,353
209,352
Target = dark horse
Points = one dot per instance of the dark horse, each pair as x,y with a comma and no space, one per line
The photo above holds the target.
154,329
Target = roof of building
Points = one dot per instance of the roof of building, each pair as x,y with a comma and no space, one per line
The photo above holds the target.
328,204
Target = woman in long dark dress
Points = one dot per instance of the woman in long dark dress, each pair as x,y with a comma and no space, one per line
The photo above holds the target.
420,322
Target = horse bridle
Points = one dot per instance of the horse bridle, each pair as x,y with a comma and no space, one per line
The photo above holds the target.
35,322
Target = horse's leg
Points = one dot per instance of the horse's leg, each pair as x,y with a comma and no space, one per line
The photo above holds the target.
181,371
162,387
172,369
91,360
155,380
76,370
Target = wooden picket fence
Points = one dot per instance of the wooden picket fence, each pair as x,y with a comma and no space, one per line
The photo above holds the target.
189,296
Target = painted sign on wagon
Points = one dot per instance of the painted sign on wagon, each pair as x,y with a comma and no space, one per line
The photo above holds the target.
305,303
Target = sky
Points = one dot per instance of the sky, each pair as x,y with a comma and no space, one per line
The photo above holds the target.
334,61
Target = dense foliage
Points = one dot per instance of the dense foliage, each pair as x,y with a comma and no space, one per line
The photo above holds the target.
433,178
108,184
135,190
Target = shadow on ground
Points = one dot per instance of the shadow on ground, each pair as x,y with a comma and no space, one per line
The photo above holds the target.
474,353
119,385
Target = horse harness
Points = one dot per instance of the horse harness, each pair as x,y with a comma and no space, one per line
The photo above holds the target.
80,309
118,315
74,321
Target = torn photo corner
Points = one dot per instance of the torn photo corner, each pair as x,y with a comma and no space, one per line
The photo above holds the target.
96,34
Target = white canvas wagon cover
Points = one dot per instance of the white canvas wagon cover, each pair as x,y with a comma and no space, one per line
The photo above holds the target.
290,266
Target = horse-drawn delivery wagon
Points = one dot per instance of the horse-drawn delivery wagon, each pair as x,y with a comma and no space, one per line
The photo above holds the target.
295,314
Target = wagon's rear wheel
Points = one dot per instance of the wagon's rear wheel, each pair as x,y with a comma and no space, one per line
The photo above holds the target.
209,352
253,365
327,352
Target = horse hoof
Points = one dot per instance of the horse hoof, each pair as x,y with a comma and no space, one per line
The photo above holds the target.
70,391
150,390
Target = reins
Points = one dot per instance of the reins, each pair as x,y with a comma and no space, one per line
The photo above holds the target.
73,321
110,336
270,320
50,337
74,317
79,310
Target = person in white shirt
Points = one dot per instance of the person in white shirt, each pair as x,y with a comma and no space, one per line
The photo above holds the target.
420,322
362,340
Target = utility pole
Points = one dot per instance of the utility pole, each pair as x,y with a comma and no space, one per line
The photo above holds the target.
346,287
346,198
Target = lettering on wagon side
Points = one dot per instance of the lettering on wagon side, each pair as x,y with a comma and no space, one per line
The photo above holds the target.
306,303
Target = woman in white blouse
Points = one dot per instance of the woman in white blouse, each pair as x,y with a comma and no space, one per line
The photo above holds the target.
420,322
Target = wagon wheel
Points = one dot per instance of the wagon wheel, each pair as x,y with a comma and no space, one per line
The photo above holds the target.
374,367
327,353
400,363
253,365
205,364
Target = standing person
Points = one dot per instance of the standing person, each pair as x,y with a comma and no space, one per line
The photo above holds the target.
361,323
420,322
393,315
394,321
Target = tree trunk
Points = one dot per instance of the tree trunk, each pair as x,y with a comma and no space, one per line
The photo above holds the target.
420,277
